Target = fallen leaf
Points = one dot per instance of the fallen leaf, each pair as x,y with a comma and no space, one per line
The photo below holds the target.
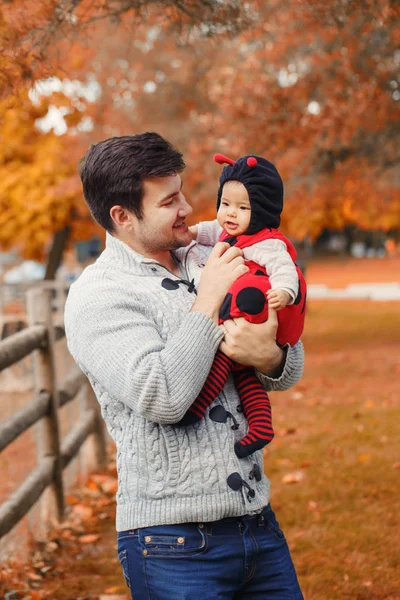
89,538
92,485
110,486
71,500
284,462
298,534
85,512
363,458
291,430
33,576
52,546
294,477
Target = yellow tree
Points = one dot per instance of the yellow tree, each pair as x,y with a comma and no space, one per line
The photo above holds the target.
40,190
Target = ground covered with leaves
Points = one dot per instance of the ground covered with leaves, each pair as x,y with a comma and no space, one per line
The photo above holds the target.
334,466
335,463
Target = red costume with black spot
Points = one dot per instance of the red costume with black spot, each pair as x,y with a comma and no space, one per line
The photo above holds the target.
247,298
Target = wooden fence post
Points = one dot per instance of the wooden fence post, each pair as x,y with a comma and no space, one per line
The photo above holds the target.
96,445
39,312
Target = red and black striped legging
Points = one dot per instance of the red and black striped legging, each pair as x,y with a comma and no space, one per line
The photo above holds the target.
253,397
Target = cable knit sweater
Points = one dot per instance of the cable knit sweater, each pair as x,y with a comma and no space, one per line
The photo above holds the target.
147,358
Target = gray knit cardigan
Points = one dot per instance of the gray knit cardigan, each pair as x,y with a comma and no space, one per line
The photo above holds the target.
147,358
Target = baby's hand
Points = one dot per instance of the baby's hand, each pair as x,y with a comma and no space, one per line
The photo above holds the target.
193,231
278,299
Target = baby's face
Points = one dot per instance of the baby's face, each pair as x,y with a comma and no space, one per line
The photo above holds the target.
234,212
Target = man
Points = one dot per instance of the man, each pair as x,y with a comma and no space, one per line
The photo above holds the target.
193,519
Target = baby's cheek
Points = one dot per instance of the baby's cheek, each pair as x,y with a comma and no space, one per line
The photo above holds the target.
220,218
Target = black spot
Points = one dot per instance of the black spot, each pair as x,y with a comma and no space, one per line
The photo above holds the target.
225,310
258,272
298,297
304,303
231,241
251,301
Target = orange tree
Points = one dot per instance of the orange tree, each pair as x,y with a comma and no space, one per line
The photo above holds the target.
315,86
39,187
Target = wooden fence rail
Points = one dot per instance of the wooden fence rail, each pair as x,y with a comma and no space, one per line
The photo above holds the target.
45,482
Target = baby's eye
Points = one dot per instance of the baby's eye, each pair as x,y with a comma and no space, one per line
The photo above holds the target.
244,208
225,204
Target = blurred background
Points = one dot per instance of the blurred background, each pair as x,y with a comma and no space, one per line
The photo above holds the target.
313,86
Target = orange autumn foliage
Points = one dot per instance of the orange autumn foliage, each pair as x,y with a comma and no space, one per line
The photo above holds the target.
314,86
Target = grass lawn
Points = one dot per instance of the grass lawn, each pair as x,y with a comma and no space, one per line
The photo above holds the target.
337,437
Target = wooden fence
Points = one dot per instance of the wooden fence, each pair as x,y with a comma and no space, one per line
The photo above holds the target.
38,340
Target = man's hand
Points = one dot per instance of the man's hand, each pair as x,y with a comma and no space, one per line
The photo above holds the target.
254,345
278,299
224,265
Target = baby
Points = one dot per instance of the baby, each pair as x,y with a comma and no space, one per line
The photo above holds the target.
250,201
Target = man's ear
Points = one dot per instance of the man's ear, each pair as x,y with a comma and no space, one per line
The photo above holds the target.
122,217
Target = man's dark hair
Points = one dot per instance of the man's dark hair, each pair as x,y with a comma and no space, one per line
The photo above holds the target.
113,171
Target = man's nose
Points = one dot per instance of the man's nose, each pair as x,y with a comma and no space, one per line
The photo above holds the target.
185,210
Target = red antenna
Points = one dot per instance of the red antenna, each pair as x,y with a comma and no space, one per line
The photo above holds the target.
251,161
221,159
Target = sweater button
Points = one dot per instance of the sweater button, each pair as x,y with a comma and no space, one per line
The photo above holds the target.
147,539
181,540
144,552
201,525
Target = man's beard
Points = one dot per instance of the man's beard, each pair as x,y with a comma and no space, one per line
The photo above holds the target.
154,246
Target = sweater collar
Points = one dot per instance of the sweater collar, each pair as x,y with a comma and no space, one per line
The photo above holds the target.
118,251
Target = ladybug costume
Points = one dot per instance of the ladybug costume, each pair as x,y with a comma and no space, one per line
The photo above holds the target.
247,298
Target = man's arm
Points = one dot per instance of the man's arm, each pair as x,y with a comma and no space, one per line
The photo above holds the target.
118,344
255,345
289,372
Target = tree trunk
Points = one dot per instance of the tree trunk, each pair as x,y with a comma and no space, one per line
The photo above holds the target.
58,246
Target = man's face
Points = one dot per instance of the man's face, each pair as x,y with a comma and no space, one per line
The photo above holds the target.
164,210
235,211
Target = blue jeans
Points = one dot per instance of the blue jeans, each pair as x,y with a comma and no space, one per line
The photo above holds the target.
237,557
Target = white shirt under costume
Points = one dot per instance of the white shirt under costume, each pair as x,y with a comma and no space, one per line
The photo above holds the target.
271,254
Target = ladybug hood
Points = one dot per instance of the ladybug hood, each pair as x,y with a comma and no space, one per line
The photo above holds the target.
263,184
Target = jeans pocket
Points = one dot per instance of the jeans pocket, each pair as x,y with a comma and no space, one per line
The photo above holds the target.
123,559
273,525
174,541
